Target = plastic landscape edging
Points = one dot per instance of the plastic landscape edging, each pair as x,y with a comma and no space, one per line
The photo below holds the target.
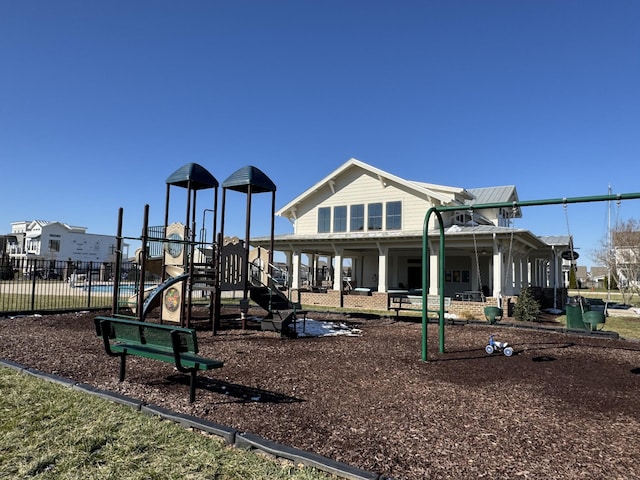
243,440
66,382
189,421
18,367
249,441
111,396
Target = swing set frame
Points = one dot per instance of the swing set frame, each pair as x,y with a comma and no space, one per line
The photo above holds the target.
437,211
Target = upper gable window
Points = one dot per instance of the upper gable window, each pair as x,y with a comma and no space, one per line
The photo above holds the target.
357,218
462,218
394,216
374,216
324,220
340,219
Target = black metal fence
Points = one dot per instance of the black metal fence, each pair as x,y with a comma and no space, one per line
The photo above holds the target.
35,285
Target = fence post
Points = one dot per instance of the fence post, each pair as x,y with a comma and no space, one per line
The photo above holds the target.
31,267
89,278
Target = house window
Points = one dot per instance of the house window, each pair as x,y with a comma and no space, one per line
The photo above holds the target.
340,219
357,218
324,220
375,216
394,215
54,245
461,218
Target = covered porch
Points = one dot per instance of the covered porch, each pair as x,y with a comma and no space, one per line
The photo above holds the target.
482,263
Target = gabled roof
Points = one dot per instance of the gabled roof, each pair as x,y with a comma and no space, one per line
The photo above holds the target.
599,272
44,223
506,193
427,189
556,240
36,223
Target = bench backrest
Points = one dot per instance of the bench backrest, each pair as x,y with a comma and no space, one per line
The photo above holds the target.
144,333
404,300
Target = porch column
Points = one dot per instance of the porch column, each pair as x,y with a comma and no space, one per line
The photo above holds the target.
434,273
337,271
383,261
295,269
497,272
517,267
313,268
524,277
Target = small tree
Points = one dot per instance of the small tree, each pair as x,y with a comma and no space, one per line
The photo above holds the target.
573,283
620,253
527,307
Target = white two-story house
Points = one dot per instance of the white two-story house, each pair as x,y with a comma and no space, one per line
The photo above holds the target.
362,228
54,241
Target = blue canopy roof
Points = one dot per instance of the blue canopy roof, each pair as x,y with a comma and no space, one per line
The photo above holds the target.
192,176
249,176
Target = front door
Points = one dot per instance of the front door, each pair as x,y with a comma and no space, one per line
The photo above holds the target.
414,277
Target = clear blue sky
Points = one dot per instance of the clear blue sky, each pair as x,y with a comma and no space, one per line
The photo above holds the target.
101,101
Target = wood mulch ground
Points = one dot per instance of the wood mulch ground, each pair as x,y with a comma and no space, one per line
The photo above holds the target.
562,407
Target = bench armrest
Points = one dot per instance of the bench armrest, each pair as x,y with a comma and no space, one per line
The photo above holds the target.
177,350
103,329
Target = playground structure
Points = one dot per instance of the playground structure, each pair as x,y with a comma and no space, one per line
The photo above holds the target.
589,319
179,270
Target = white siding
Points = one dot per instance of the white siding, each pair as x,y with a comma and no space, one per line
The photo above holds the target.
73,243
357,186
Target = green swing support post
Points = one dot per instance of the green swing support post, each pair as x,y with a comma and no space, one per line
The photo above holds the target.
426,281
425,248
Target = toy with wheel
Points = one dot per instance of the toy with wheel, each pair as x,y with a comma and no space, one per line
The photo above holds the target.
495,346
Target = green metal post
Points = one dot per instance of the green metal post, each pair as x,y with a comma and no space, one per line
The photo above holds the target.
425,246
426,281
441,281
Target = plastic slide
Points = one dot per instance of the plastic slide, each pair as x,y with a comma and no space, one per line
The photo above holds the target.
153,297
155,266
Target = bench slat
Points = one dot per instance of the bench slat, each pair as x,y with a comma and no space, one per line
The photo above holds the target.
187,360
166,343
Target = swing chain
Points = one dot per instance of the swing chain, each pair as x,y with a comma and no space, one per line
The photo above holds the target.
475,249
509,256
566,216
571,264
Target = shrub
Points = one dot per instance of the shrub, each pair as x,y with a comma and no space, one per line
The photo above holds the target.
527,307
467,315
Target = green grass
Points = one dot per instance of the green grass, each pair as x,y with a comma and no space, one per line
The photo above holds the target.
13,302
613,295
48,431
626,327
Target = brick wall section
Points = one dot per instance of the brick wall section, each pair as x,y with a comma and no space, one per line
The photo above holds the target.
375,301
379,301
469,310
332,298
475,310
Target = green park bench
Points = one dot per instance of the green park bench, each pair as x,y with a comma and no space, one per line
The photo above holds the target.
399,302
166,343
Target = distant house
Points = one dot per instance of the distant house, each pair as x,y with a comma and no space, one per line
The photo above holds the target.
368,222
626,253
44,240
598,277
582,276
